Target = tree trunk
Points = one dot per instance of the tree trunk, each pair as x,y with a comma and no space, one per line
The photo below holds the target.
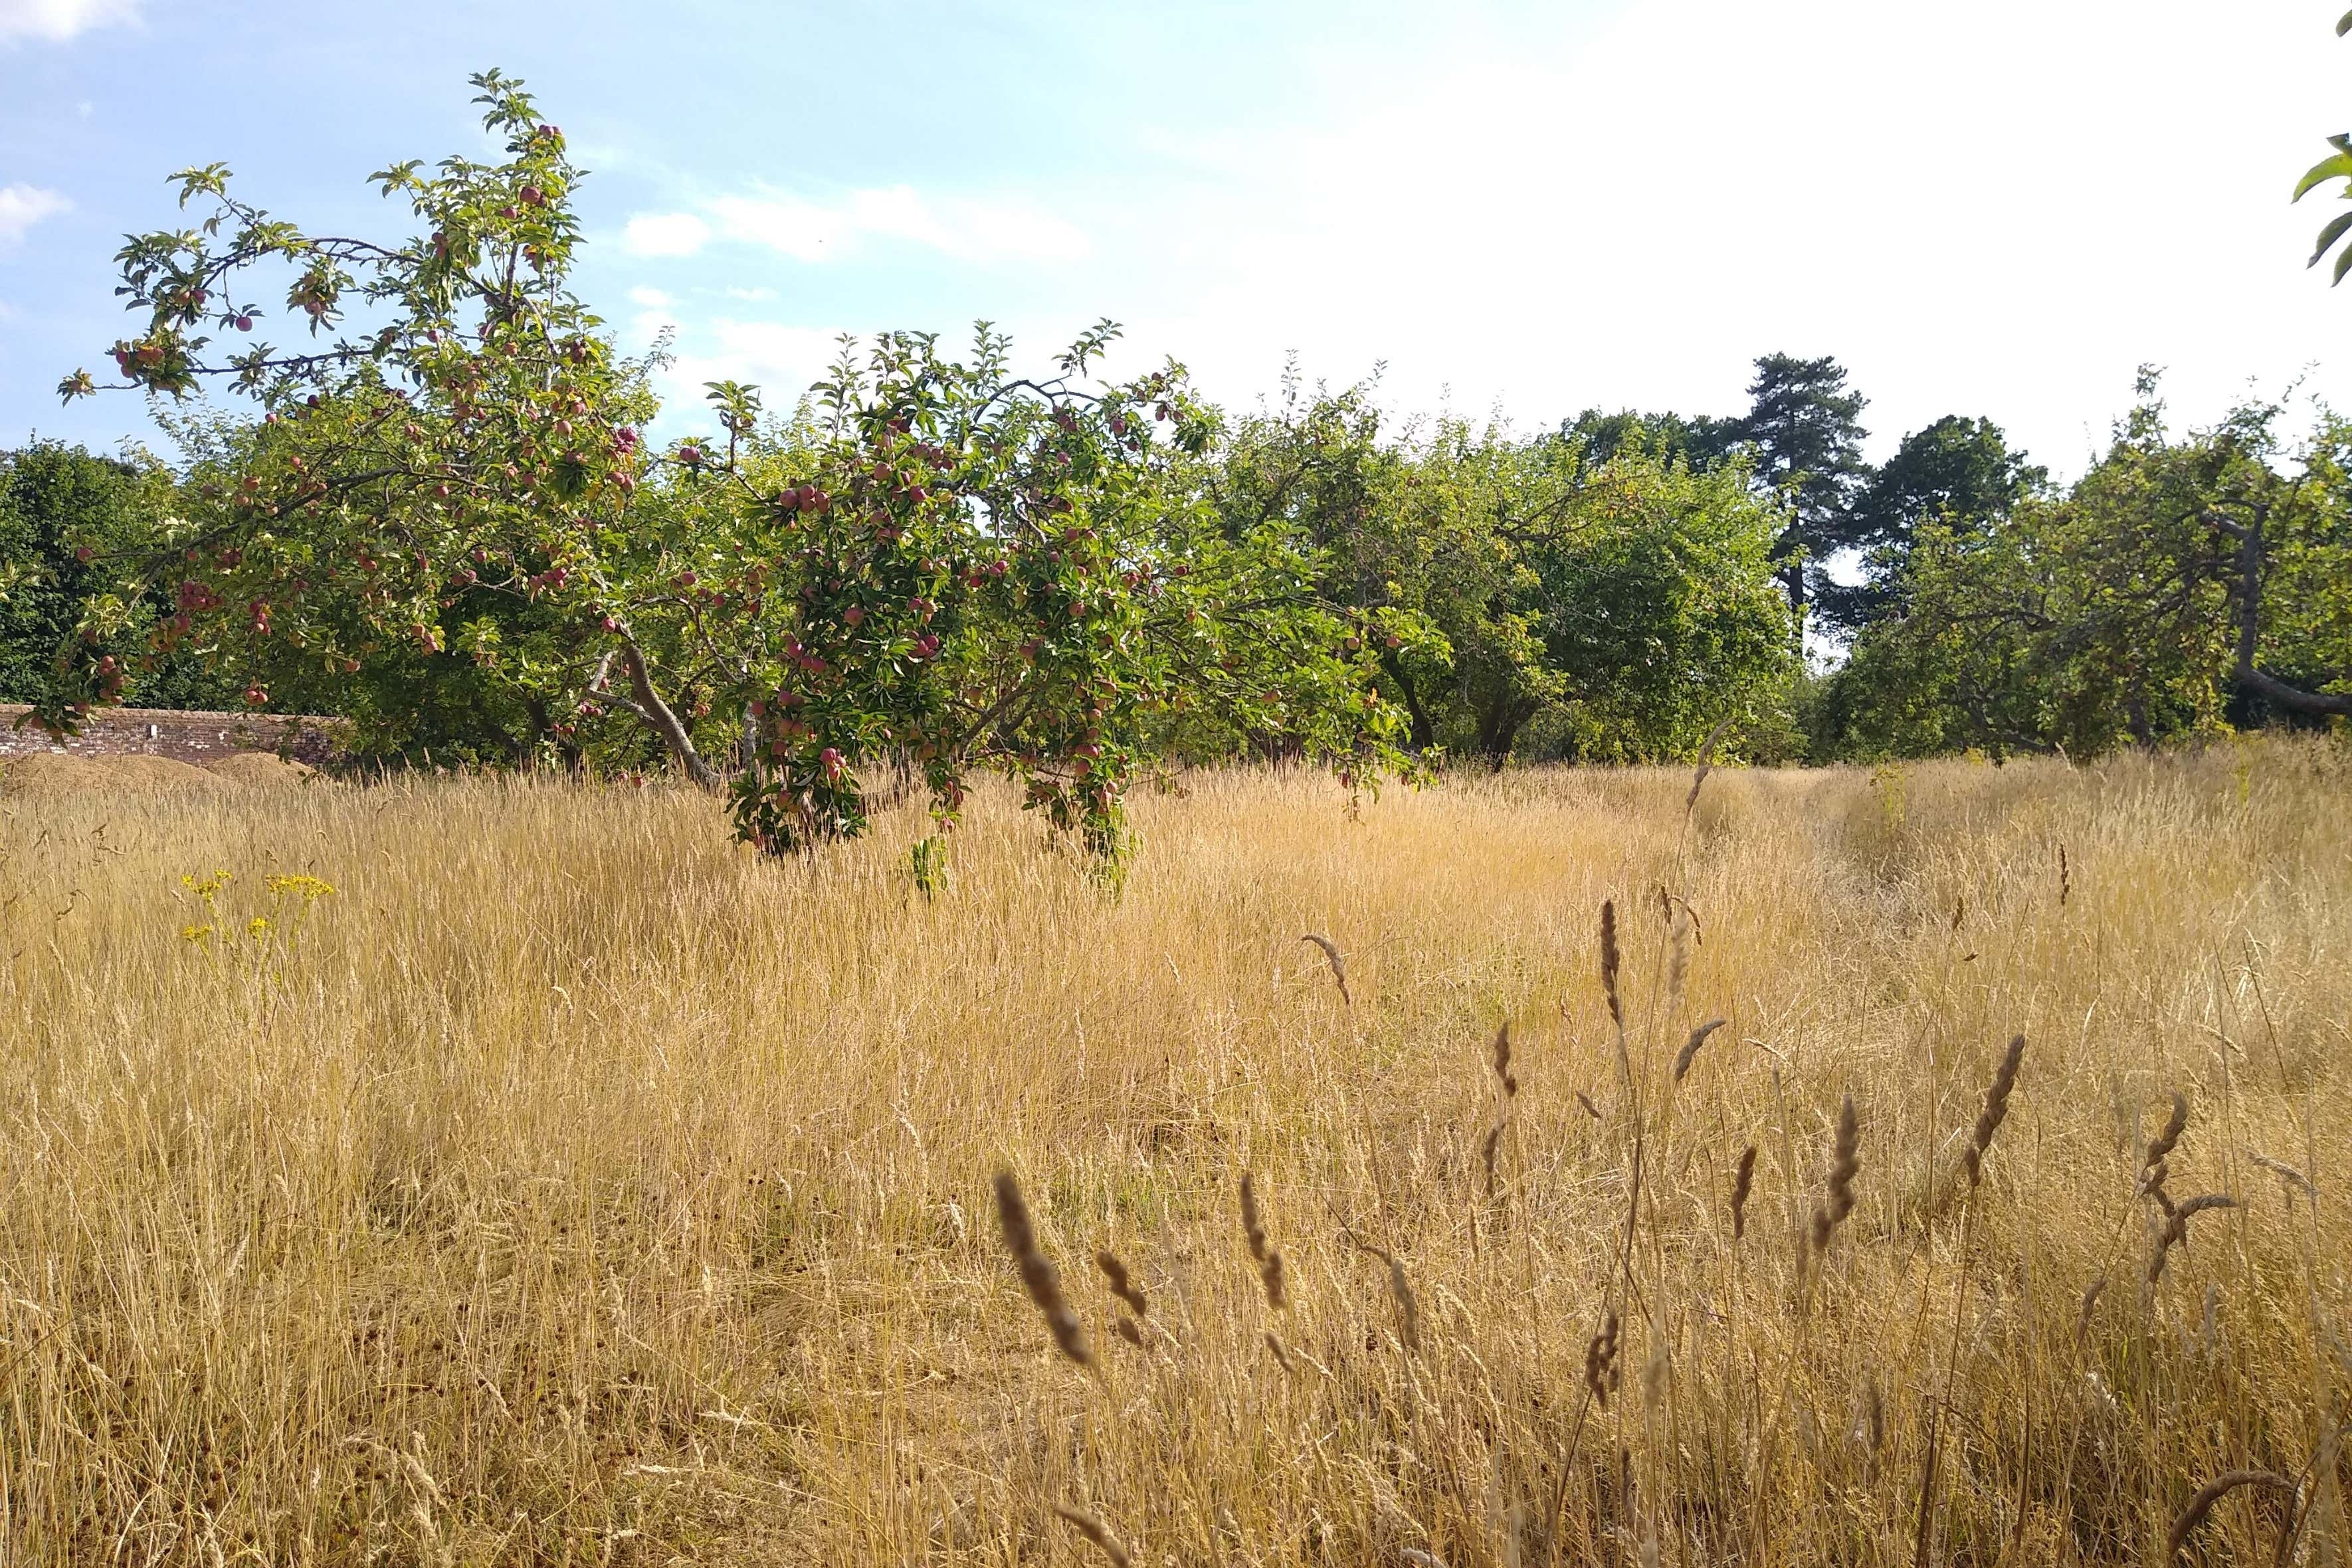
656,712
2269,687
1792,579
1499,729
1424,734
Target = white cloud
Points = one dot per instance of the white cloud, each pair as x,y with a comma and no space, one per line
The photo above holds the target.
753,294
961,228
651,298
57,20
22,207
1978,217
665,234
780,360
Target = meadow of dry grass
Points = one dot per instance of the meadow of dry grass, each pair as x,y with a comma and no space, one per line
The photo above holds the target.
575,1187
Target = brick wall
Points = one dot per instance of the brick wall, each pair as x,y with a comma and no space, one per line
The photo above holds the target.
187,737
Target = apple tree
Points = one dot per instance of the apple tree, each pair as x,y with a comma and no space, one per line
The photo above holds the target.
934,561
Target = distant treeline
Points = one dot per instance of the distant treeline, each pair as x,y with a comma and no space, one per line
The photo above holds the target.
1606,591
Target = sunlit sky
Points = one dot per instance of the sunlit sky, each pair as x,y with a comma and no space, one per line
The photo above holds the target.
1999,208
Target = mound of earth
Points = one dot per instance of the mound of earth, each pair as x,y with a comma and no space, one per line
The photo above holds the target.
58,774
260,768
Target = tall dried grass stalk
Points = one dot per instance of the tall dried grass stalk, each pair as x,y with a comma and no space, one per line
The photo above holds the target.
582,1188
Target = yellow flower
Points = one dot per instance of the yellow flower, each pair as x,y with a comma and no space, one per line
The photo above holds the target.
312,887
256,928
195,933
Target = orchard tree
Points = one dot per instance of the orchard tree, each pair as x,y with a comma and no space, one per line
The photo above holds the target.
1527,599
2180,585
1314,468
936,560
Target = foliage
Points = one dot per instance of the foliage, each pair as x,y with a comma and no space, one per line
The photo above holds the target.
2180,585
1615,608
2336,165
1959,470
1698,442
61,509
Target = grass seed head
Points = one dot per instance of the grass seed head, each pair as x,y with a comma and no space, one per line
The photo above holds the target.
1741,1185
1408,1307
1996,1108
1338,964
1036,1272
1601,1361
1123,1284
1609,961
1845,1163
1689,1053
2176,1227
2153,1165
1095,1532
2212,1492
1268,1259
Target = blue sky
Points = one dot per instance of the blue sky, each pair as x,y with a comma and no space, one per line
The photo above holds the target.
2000,208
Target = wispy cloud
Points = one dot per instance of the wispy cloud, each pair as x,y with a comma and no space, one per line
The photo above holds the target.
57,20
781,359
22,207
963,228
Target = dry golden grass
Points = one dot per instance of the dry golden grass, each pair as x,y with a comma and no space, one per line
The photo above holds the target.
575,1187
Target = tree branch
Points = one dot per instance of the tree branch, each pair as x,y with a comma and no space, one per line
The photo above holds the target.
650,707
